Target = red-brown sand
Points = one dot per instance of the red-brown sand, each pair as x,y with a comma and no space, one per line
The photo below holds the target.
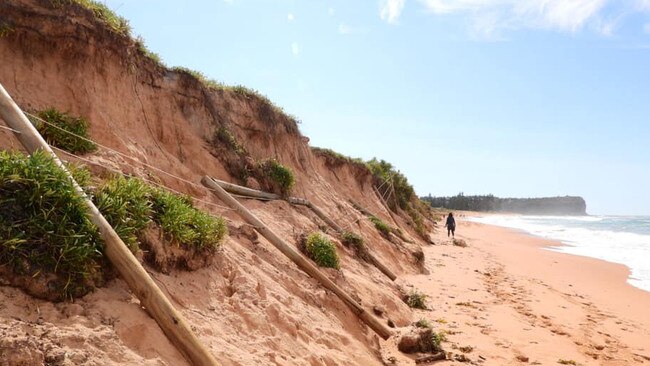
515,302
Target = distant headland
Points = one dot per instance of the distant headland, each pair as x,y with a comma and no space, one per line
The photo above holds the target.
567,205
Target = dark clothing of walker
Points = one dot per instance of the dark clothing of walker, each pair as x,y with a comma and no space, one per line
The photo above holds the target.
451,225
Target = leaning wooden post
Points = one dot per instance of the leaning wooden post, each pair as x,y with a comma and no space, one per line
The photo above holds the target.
130,270
254,193
302,262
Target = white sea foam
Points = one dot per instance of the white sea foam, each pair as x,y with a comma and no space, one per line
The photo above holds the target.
618,239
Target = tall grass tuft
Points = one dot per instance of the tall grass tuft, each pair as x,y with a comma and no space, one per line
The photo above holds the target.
126,204
60,137
279,173
115,22
322,251
43,222
380,226
183,224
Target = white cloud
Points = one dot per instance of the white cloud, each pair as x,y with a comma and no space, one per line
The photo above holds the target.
643,4
390,10
331,11
345,29
491,17
290,17
295,49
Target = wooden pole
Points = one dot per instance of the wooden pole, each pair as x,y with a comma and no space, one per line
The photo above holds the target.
128,267
233,188
302,262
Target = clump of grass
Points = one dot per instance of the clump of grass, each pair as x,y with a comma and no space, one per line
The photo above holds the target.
354,240
43,223
322,251
115,22
423,323
278,173
200,77
416,300
5,29
380,225
126,204
418,221
60,137
387,174
436,340
183,224
228,138
139,42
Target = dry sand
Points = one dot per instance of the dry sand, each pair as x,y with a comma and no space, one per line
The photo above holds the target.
511,300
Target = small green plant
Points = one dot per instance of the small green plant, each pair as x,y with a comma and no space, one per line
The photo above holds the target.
322,251
354,240
279,173
566,362
228,138
57,132
126,204
184,224
5,29
139,42
380,225
115,22
436,341
416,300
200,77
423,323
43,223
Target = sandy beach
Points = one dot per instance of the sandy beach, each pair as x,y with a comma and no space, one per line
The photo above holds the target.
514,302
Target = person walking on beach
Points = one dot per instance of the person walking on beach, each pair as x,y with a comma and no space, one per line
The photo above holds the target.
450,225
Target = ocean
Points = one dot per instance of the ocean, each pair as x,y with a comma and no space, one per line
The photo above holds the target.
618,239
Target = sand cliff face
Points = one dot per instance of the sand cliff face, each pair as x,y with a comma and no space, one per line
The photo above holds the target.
252,306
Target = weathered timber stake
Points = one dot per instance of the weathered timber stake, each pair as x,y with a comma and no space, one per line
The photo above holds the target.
128,267
233,188
302,262
393,230
383,201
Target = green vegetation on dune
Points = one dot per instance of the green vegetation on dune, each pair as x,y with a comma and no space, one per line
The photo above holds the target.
114,22
416,300
184,224
43,223
64,131
126,204
45,231
381,226
321,250
283,176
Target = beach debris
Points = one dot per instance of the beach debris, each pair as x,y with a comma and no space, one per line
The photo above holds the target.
459,357
440,356
522,358
378,310
460,243
466,349
566,362
390,323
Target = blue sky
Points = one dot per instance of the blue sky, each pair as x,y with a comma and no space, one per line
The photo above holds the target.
519,98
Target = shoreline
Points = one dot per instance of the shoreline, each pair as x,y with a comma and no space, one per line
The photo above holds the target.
516,302
555,245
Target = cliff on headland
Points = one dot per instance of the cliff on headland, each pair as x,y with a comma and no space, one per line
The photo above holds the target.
568,205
